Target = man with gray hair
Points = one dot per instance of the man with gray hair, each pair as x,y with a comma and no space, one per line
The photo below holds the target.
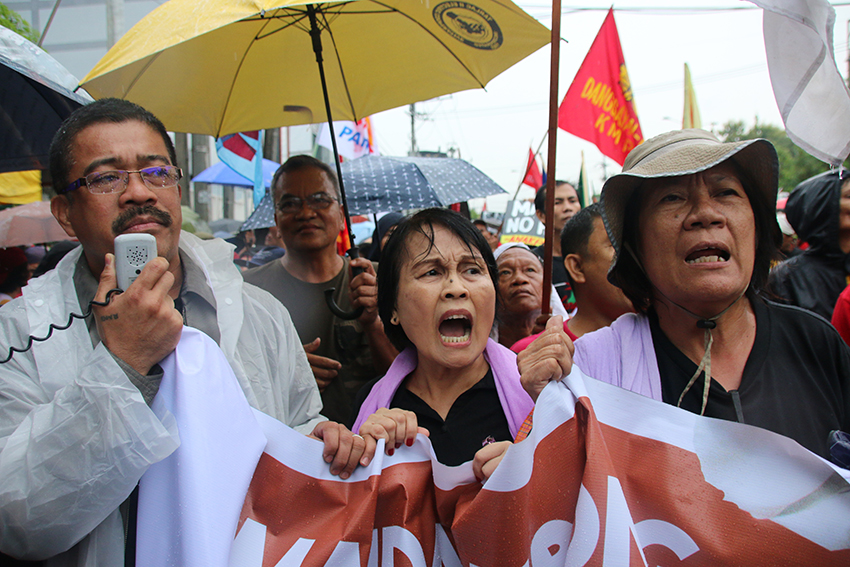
344,354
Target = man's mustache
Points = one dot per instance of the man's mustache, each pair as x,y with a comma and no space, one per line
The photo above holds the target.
127,217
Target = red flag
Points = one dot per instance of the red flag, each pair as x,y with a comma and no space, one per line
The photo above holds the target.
599,106
343,242
533,177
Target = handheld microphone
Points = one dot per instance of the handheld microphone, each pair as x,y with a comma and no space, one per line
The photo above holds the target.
132,252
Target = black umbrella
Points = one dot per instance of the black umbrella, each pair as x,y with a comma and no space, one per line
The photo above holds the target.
378,184
36,95
262,217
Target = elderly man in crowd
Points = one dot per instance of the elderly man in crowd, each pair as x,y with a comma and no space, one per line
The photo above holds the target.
520,288
76,429
344,354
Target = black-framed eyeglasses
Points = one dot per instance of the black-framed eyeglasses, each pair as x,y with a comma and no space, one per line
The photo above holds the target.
289,205
157,177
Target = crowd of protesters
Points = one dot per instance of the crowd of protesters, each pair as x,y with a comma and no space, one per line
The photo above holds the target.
677,285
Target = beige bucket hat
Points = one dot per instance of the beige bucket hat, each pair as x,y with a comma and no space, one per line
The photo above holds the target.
684,152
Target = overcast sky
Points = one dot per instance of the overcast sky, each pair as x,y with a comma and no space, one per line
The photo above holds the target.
723,47
721,40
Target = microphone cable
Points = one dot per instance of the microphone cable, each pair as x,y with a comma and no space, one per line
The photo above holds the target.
52,327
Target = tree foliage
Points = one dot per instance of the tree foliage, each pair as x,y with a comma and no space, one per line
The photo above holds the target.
12,20
795,165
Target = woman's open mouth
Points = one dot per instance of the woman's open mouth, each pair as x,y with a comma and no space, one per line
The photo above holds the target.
455,329
707,255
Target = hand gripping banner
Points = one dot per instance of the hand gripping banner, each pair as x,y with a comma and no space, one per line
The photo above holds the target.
606,478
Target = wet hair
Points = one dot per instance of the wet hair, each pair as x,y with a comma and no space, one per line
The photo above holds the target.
105,110
396,253
540,197
629,276
577,232
300,162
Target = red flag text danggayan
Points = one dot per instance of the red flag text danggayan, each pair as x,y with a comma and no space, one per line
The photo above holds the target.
599,106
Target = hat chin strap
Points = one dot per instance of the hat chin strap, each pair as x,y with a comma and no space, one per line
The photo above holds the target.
705,323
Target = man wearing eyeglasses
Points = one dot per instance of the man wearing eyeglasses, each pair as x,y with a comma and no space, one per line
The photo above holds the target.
344,355
76,430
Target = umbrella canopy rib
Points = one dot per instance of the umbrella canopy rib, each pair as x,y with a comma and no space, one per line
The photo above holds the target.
341,73
217,86
232,86
141,72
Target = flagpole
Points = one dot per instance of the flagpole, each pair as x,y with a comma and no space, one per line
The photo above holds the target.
549,232
528,167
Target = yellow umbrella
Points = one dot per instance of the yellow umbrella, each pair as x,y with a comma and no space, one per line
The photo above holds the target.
223,66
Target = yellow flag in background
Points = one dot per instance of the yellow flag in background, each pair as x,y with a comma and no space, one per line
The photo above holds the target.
690,118
20,187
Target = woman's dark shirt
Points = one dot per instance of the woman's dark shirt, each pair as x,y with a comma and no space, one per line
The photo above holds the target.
796,381
476,415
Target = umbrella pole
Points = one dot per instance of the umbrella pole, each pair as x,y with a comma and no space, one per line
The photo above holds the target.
316,36
549,234
353,252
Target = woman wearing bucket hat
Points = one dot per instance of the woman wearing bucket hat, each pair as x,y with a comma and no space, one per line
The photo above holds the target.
693,225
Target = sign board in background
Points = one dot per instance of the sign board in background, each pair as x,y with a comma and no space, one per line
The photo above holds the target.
520,224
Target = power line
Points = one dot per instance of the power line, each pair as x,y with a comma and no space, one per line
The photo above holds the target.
545,9
670,10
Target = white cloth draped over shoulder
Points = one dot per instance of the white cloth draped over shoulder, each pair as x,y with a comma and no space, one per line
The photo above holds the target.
76,434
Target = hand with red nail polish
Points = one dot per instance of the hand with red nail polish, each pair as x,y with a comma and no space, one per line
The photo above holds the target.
395,426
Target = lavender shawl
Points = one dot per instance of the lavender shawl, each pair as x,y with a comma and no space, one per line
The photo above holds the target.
622,355
516,403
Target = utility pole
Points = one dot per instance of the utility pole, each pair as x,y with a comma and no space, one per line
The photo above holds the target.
181,148
413,148
271,144
114,21
201,161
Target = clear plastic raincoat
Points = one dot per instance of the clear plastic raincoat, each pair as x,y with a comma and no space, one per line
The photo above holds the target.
76,434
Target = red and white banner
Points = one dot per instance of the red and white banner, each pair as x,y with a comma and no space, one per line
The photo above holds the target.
606,478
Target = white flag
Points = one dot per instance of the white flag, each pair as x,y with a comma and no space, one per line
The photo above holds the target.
353,139
811,95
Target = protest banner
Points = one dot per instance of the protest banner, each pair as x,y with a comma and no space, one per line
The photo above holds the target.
520,224
599,105
606,478
353,139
